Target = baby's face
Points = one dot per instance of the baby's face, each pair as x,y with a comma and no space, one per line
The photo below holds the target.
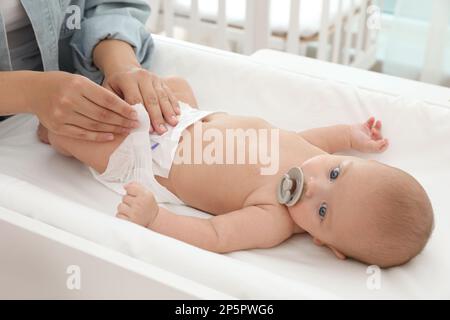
331,209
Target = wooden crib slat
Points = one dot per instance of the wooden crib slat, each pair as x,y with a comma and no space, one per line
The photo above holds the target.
324,31
168,17
293,34
337,34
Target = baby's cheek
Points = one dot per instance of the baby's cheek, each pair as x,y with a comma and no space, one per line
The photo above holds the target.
302,215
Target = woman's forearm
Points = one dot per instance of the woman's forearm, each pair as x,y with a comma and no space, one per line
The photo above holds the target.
16,91
114,55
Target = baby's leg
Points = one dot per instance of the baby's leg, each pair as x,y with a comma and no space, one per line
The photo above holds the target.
182,90
93,154
96,154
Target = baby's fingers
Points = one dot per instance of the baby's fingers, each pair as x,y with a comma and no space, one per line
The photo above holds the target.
377,125
375,132
378,146
123,216
369,123
134,189
123,209
128,200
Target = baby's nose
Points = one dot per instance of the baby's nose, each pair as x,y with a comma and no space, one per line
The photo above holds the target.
310,186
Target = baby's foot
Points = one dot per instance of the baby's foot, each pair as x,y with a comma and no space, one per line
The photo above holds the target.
138,205
42,133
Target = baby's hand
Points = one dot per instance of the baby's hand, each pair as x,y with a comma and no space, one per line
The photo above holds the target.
367,137
138,205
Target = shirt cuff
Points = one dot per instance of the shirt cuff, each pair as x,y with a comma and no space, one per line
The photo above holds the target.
122,28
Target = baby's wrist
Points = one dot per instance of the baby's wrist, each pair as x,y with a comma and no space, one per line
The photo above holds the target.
151,223
349,131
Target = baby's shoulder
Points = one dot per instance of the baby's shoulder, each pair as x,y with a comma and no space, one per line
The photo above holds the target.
265,198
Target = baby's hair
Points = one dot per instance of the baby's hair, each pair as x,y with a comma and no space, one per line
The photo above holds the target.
401,219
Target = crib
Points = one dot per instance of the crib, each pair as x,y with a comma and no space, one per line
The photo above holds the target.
54,216
339,31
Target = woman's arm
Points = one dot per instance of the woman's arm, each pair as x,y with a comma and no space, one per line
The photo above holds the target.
14,91
125,76
113,47
111,20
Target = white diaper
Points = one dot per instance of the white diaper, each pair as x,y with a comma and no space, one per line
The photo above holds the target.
142,155
165,146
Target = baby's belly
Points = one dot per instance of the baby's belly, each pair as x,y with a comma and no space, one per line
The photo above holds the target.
211,179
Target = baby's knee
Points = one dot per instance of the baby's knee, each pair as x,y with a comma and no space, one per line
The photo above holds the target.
57,142
175,82
181,89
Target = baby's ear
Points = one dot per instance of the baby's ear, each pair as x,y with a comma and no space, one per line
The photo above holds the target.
318,242
338,254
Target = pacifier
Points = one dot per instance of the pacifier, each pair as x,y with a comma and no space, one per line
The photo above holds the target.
290,187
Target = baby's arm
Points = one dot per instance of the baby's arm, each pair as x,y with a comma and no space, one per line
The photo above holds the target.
247,228
330,139
365,137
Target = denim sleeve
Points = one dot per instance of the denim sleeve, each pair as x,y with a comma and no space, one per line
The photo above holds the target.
111,19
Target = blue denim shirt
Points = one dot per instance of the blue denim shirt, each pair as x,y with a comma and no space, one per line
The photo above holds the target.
68,30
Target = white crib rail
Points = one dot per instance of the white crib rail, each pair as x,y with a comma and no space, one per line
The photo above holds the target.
338,33
293,34
257,28
342,37
222,24
168,17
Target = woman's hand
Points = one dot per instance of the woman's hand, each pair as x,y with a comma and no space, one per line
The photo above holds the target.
138,205
125,77
74,106
137,85
367,137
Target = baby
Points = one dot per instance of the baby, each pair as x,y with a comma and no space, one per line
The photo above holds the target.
358,208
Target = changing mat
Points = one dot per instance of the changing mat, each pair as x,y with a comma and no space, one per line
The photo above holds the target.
40,183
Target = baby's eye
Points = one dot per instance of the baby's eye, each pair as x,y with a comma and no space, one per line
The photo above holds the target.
334,173
323,211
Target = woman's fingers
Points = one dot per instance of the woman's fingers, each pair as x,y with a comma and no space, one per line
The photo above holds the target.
164,102
87,123
108,101
91,110
130,91
151,103
172,98
83,134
